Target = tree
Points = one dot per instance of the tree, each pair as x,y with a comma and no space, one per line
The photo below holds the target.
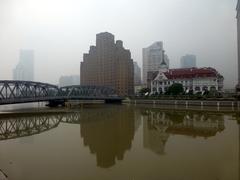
144,91
175,89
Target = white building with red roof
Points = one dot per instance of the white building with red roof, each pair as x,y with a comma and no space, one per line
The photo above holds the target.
195,79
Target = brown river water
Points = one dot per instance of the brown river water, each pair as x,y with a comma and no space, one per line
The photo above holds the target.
119,142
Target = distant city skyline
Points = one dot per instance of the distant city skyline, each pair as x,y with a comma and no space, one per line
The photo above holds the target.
24,70
137,74
153,56
188,61
69,80
60,35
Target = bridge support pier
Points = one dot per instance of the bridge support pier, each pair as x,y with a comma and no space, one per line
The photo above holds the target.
56,103
113,101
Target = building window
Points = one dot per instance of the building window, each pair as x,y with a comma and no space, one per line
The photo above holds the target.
205,88
197,88
213,88
160,90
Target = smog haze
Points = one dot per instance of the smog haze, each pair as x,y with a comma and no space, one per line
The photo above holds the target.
60,31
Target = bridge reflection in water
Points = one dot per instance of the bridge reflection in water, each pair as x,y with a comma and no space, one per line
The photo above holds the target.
109,132
20,126
109,136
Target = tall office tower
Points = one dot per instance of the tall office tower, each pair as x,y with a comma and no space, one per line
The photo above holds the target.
69,80
108,64
238,34
188,61
137,74
25,68
153,56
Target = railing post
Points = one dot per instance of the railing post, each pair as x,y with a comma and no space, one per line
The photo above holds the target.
218,106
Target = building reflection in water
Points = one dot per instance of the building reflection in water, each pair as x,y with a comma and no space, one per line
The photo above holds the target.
237,117
108,133
238,149
159,126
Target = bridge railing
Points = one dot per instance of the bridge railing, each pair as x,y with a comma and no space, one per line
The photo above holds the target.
87,91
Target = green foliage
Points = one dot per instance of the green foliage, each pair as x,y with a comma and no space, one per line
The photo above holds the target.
144,91
175,89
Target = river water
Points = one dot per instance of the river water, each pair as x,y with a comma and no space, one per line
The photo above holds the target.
119,143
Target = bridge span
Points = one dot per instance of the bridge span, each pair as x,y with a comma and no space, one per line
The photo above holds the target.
16,92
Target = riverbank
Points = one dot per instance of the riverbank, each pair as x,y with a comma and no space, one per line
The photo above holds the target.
188,104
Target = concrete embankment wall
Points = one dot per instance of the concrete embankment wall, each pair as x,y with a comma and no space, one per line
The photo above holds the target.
74,103
191,104
187,102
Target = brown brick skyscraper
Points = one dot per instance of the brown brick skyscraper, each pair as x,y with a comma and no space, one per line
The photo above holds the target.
108,64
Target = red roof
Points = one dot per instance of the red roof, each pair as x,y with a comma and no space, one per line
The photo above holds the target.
191,73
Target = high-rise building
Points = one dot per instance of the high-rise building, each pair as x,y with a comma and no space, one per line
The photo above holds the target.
153,56
69,80
25,68
188,61
108,64
238,34
137,74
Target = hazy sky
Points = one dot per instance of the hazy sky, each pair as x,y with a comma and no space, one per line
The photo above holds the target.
60,31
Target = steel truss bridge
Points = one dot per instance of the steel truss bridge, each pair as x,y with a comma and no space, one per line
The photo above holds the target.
16,92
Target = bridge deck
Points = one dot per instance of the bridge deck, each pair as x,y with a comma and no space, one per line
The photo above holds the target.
46,99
